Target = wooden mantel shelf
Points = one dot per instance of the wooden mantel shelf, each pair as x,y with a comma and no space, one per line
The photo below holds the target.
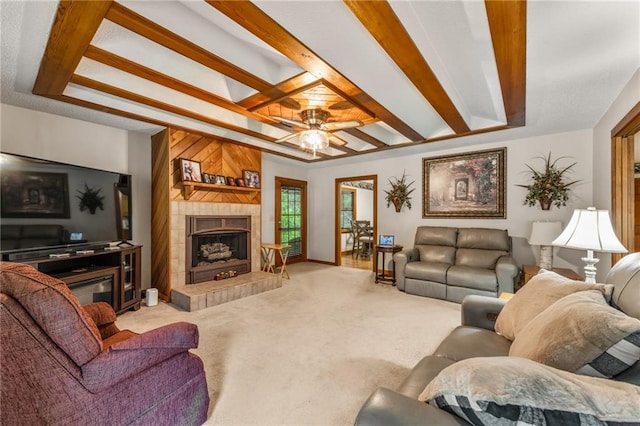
189,187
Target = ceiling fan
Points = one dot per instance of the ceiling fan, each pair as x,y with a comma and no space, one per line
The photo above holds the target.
318,130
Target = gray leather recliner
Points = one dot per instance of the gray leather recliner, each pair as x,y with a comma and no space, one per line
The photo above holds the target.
451,263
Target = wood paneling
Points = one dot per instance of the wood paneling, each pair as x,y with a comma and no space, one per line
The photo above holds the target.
160,215
216,158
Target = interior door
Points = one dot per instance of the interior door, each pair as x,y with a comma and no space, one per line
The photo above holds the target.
291,217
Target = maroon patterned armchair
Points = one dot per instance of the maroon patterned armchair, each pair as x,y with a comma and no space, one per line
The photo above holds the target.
63,363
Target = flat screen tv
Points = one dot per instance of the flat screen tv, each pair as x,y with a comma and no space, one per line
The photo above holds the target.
48,206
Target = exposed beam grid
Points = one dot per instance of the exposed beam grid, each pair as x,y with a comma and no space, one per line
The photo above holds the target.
142,26
253,19
123,64
134,97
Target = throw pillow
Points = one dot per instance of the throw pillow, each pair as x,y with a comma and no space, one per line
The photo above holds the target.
540,292
578,330
509,390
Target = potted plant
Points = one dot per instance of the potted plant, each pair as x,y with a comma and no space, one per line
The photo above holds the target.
399,192
549,185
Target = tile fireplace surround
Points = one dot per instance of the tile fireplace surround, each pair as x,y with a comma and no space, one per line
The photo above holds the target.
179,211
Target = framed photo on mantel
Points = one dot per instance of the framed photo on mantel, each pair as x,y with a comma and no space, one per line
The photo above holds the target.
470,185
190,170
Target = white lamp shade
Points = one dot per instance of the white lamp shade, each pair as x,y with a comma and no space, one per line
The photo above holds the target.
590,229
543,233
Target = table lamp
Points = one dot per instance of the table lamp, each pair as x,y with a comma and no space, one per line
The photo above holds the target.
543,234
590,230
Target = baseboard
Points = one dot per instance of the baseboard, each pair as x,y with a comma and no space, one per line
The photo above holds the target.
323,262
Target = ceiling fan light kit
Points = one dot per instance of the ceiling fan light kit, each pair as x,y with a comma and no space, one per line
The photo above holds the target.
314,140
317,136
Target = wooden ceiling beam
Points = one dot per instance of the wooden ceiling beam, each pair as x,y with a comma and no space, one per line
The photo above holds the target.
123,64
383,24
508,26
254,20
137,117
142,26
286,86
134,97
75,24
365,137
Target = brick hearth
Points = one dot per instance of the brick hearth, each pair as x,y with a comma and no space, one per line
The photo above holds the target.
210,293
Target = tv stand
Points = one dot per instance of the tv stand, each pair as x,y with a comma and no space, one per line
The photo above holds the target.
125,243
122,265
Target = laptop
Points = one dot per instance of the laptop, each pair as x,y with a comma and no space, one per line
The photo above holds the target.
386,241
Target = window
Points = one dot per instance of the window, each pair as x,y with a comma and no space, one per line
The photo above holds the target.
347,208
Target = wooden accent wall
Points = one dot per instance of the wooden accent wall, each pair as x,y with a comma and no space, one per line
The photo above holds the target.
215,157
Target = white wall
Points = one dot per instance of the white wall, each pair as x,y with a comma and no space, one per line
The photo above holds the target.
57,138
577,145
52,137
139,153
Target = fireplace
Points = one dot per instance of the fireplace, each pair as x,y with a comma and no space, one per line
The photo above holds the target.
217,245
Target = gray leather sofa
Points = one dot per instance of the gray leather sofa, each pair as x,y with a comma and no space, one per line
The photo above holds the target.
451,263
476,338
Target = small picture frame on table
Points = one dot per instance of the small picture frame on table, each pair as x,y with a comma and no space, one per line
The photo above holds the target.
190,170
251,178
231,181
207,178
220,180
240,182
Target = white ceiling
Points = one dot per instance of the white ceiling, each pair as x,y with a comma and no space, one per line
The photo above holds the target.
579,56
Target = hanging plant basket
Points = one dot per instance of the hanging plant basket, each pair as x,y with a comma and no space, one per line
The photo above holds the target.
549,186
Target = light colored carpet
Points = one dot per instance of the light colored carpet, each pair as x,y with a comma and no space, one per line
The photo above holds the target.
311,352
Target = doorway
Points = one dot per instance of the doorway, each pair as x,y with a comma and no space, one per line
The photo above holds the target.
291,218
348,190
622,180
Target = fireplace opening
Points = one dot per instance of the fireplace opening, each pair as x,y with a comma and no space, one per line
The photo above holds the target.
219,248
217,245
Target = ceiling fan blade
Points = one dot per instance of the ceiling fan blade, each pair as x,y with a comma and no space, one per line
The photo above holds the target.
339,125
290,122
340,106
336,140
286,138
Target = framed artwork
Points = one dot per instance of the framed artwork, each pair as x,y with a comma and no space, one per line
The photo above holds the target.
190,170
240,182
231,181
207,178
34,195
470,185
220,180
251,178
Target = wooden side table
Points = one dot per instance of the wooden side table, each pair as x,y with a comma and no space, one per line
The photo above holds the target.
528,271
268,257
384,250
